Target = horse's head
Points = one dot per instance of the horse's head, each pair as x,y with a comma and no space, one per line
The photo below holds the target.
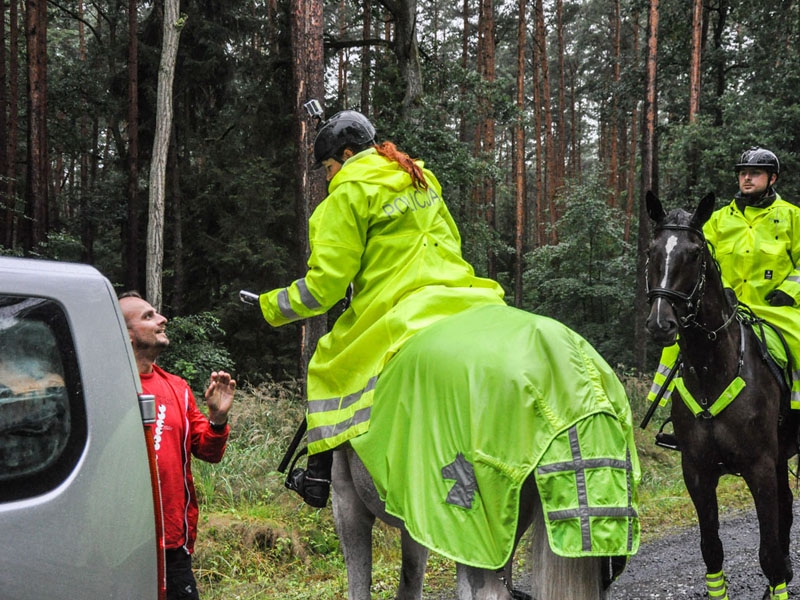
676,267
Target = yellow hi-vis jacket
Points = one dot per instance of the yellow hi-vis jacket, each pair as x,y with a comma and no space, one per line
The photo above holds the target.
400,248
758,251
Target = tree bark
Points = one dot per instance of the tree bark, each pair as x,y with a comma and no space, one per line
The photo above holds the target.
632,143
366,57
10,172
649,182
540,230
549,153
520,184
306,26
406,51
694,68
613,133
86,218
131,225
485,133
560,149
6,200
176,206
35,229
155,221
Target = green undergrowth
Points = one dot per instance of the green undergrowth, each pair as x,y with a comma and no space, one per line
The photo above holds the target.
258,540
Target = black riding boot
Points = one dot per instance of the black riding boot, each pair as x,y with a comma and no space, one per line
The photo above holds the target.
313,484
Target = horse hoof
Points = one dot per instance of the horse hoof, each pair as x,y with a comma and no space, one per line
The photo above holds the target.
779,592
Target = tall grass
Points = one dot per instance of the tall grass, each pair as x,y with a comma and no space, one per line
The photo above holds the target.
258,540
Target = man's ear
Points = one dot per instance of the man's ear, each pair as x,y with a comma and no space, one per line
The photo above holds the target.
773,177
347,154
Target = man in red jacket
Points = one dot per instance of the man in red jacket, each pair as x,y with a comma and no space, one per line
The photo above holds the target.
181,431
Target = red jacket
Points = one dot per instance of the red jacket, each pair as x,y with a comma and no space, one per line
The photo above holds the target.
180,431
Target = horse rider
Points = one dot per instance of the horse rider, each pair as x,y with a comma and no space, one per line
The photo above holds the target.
384,229
756,241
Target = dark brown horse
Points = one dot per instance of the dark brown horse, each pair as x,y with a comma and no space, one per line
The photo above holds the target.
754,435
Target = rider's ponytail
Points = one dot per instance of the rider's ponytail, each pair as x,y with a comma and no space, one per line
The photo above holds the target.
390,151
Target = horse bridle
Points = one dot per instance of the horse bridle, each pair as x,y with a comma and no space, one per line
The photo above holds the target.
692,299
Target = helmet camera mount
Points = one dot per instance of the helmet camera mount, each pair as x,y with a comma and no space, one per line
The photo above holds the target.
314,110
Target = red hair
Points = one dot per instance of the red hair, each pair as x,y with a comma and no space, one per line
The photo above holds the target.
390,151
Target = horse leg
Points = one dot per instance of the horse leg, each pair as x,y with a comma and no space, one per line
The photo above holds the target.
762,481
785,515
555,577
356,504
702,488
480,584
353,522
412,571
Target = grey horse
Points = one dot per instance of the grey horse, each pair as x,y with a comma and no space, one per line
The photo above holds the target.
356,505
470,448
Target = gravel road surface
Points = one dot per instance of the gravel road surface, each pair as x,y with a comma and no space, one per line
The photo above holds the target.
672,568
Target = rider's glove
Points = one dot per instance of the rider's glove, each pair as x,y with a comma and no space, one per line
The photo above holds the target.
779,298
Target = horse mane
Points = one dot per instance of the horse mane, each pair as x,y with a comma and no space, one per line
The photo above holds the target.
677,216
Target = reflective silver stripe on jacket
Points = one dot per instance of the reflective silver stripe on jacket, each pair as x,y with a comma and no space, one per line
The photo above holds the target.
306,298
332,404
320,406
584,511
328,431
794,278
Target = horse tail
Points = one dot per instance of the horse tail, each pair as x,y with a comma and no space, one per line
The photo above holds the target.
555,577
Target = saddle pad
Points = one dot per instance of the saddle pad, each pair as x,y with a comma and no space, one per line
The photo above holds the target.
467,410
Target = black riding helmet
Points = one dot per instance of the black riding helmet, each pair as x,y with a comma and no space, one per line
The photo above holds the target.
347,128
759,158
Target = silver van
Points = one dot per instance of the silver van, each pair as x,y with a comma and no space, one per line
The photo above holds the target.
80,512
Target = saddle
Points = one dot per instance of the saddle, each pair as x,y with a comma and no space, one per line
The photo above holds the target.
783,374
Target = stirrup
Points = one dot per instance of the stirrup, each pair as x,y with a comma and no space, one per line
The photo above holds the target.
313,490
665,439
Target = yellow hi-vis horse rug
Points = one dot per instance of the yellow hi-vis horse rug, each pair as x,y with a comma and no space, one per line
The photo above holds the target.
471,406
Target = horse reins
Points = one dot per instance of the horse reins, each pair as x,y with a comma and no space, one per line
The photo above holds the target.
693,299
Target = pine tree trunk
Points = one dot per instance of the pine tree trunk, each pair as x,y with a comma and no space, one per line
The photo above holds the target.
613,132
520,192
155,221
540,225
694,68
561,143
5,199
10,172
131,225
307,70
485,134
35,229
366,57
649,182
406,51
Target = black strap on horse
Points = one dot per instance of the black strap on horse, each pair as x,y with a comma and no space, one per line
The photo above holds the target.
784,377
298,435
657,400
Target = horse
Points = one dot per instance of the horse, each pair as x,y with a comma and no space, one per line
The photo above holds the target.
718,431
361,493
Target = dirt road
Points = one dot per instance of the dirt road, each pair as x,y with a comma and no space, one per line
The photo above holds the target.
672,568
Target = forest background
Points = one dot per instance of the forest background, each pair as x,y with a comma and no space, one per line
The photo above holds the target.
545,121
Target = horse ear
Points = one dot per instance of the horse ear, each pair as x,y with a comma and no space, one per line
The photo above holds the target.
654,208
704,210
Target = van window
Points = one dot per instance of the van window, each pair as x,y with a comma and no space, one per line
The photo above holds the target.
42,413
